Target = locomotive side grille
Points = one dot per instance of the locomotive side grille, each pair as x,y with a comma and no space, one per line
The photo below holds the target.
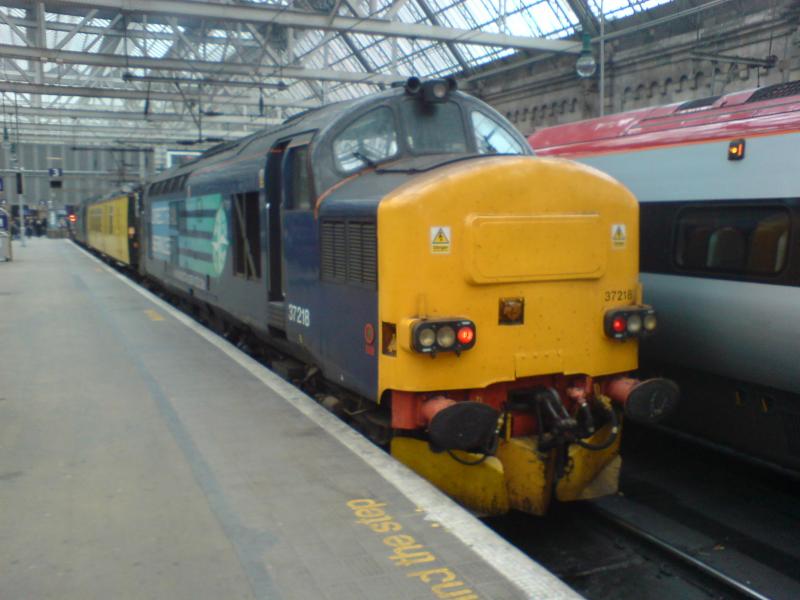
327,265
333,251
355,262
349,252
369,253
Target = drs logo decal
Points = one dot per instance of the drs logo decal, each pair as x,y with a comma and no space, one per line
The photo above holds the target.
299,315
219,242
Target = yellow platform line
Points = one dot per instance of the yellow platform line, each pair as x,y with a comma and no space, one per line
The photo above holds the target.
154,316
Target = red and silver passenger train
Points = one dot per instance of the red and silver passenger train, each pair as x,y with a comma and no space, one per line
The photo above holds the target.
720,254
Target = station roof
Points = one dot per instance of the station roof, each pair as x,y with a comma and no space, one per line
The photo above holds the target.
162,71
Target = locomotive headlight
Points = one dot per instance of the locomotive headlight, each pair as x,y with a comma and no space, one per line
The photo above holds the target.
446,336
631,321
426,337
442,335
634,324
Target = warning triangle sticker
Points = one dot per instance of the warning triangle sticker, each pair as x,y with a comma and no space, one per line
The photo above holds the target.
440,237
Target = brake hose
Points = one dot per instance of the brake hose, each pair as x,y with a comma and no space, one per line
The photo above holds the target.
611,438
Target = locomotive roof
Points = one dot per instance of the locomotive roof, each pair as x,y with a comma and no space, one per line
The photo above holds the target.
310,120
237,161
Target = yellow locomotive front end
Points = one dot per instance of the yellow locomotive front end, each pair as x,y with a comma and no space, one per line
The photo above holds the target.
511,311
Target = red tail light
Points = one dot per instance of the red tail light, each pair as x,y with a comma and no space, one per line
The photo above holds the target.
619,325
466,335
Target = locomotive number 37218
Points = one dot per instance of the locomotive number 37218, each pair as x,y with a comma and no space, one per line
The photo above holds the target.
617,295
299,315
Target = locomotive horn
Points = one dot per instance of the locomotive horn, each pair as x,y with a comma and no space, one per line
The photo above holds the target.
413,86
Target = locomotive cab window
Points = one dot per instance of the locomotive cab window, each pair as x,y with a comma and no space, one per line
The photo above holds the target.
299,192
746,240
434,128
492,138
370,139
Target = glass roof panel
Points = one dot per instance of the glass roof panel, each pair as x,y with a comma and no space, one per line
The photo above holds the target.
264,47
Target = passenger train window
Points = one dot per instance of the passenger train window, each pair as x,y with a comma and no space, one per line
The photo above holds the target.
737,239
493,138
370,139
434,128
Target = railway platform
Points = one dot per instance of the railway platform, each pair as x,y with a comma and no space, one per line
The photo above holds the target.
142,456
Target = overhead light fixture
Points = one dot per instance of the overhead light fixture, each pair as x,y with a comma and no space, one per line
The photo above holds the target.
586,65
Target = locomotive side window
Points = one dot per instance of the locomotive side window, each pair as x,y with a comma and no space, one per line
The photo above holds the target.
299,193
434,128
744,240
493,138
370,139
246,236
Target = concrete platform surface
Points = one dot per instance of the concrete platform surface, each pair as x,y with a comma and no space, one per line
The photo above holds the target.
142,456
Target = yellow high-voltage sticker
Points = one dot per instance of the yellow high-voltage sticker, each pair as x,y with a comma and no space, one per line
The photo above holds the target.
440,240
619,235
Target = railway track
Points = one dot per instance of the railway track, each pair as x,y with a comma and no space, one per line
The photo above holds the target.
689,523
738,588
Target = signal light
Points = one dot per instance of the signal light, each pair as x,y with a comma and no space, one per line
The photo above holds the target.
72,218
442,335
736,150
634,321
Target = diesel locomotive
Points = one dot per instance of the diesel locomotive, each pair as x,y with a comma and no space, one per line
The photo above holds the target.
109,225
475,308
719,255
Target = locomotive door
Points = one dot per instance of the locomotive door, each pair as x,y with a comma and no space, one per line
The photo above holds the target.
286,173
274,201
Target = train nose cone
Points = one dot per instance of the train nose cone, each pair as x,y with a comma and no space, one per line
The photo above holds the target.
653,400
